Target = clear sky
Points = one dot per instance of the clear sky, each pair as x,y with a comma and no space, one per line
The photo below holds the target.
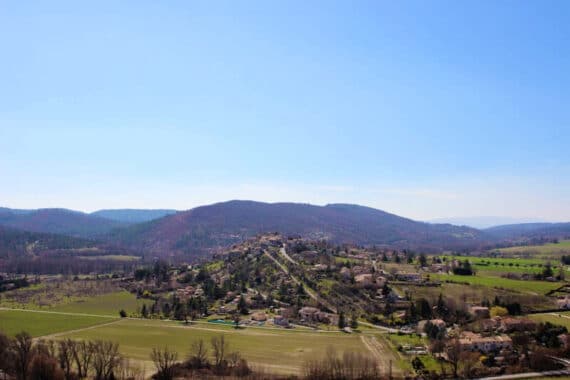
427,109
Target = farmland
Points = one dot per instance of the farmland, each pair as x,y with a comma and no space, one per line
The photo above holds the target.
544,251
42,323
505,265
561,318
87,297
137,337
260,346
521,286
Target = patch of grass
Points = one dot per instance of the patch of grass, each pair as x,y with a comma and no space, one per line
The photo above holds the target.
396,340
411,339
214,266
501,261
39,324
106,304
562,318
530,287
125,258
562,247
346,260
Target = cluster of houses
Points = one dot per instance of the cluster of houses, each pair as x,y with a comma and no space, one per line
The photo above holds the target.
189,291
470,341
312,315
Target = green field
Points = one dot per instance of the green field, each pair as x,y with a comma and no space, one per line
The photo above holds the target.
523,286
404,361
562,318
563,247
499,261
126,258
40,323
507,265
281,351
106,304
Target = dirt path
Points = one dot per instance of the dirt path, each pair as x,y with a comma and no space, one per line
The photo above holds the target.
283,252
382,353
309,291
60,312
67,332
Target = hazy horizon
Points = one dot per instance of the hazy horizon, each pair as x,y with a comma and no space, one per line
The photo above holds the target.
425,110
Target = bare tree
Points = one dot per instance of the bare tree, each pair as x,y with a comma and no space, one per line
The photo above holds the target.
469,361
164,361
453,350
106,358
44,366
219,348
198,355
349,365
82,353
6,355
234,359
65,356
22,345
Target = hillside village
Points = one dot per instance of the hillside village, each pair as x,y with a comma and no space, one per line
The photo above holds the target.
294,283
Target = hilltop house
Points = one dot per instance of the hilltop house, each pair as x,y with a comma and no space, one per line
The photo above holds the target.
509,324
409,277
314,315
470,341
280,320
479,312
563,303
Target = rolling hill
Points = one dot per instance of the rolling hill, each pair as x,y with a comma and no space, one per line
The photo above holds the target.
202,229
17,243
530,231
58,221
133,215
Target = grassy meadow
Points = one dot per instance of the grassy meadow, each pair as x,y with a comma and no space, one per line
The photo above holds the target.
41,323
557,318
281,351
519,286
50,298
544,251
106,304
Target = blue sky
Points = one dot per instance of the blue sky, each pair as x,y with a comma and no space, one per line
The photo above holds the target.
426,109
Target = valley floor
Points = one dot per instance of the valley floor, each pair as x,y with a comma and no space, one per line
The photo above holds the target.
267,349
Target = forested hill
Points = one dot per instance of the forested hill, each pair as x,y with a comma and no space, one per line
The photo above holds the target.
203,228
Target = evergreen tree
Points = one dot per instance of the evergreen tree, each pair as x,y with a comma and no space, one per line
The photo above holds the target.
441,307
242,305
341,320
353,321
144,312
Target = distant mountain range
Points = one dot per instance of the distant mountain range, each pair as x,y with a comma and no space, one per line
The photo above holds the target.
482,222
133,215
204,229
530,231
15,242
76,223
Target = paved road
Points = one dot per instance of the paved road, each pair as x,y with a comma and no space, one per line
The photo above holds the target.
386,329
